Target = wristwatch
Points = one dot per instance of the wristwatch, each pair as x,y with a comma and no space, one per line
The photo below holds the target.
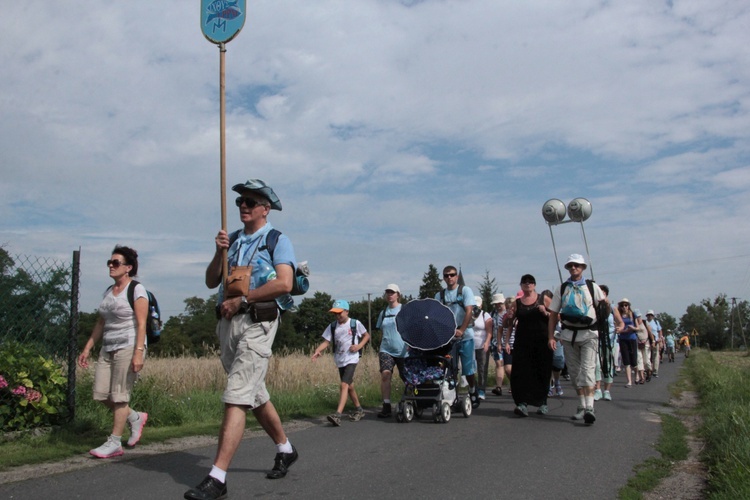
244,304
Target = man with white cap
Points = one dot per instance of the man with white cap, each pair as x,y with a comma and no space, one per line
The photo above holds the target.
392,347
574,305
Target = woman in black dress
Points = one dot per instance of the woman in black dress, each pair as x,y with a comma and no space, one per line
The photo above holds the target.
532,356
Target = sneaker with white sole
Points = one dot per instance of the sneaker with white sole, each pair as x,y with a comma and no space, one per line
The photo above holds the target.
110,448
579,413
521,410
607,396
597,395
481,394
543,410
559,390
136,428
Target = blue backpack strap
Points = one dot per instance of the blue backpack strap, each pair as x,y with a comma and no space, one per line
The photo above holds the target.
272,238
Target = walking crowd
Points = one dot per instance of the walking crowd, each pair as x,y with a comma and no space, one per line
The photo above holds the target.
534,340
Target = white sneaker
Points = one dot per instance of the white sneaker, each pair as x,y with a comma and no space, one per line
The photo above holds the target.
464,382
136,428
110,448
607,396
597,395
579,413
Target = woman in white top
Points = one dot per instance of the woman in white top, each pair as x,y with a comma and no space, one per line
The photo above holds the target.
121,328
482,338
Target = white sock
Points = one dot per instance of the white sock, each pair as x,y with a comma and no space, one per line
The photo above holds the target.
387,401
133,416
115,438
284,448
589,402
218,474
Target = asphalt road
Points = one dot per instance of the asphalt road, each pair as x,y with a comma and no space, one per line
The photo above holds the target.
492,454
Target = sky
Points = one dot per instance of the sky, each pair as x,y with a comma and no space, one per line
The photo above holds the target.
397,134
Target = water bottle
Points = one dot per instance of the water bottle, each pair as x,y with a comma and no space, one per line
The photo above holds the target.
266,273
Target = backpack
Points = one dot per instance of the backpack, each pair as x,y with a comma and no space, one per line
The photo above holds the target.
300,283
352,331
153,322
573,306
459,297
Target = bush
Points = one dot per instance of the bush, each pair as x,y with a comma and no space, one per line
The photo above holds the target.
32,389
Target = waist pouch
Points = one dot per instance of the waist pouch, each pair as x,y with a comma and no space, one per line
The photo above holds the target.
258,311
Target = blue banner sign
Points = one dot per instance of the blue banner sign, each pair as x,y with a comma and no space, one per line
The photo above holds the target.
222,20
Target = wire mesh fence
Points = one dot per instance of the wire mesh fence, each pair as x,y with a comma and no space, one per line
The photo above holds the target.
38,328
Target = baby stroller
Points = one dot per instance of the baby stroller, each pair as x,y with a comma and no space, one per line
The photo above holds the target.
430,374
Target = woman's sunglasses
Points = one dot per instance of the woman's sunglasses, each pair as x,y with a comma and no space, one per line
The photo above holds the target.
115,263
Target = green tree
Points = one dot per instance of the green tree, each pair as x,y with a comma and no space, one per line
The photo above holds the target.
431,284
711,320
487,288
667,322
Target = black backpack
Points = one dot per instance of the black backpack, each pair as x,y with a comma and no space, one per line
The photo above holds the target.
153,322
272,238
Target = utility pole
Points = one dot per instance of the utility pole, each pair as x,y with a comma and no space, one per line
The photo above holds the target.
739,321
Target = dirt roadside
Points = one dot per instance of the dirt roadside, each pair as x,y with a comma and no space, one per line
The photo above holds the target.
688,480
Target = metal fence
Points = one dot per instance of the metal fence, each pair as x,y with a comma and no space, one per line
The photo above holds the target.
39,314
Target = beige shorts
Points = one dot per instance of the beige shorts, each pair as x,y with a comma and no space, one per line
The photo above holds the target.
245,360
113,376
581,360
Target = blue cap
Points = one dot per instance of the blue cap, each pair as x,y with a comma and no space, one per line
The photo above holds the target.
339,306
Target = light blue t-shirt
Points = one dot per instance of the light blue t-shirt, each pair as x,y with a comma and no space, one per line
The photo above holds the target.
249,249
458,306
655,328
392,342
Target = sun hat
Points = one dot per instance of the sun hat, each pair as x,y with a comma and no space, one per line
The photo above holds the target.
393,287
624,301
575,258
498,298
637,313
260,187
651,312
478,301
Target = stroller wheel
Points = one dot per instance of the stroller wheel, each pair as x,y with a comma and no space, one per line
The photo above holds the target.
466,406
436,416
408,412
418,411
445,414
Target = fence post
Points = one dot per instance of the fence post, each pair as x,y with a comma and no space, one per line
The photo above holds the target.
73,334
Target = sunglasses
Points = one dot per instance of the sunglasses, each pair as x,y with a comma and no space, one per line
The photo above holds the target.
573,264
450,275
116,263
249,202
527,282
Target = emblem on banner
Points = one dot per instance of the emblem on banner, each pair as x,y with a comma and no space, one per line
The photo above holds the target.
222,20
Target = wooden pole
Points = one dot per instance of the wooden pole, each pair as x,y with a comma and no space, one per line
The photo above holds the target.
223,154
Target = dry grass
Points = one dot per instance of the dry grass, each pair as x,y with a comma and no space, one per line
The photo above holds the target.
289,372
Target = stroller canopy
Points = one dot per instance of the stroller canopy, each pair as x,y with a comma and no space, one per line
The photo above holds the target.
426,324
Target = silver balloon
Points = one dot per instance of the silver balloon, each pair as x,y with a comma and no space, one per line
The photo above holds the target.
553,211
579,209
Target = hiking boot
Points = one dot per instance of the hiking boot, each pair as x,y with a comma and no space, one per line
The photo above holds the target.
521,410
357,415
386,411
579,413
497,391
136,428
281,464
110,448
335,419
543,410
209,489
588,416
607,396
597,395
